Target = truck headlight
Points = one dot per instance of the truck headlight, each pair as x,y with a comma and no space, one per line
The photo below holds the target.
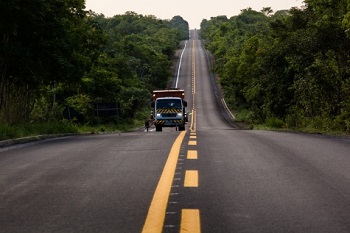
179,114
158,114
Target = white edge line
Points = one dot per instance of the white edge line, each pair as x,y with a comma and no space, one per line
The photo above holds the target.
178,69
227,109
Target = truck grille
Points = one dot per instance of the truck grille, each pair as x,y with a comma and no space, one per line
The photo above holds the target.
169,114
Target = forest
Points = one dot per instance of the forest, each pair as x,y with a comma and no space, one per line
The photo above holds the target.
55,56
286,69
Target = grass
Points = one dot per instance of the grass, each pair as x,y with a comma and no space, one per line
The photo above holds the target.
14,131
312,125
11,131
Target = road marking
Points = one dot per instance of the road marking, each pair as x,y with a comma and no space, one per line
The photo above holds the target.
190,221
192,154
193,118
156,212
190,218
191,179
179,68
194,67
192,143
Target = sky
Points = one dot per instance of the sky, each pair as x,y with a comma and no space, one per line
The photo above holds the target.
193,11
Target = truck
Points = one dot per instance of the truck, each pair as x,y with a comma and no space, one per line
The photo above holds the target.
168,109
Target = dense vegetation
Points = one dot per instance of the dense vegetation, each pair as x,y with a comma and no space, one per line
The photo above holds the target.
54,54
289,69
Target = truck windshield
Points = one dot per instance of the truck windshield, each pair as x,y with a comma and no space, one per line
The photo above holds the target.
169,103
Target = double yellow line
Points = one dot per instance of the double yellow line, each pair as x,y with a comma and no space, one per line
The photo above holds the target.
190,218
193,120
156,213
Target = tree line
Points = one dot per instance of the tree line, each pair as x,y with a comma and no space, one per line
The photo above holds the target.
289,68
55,53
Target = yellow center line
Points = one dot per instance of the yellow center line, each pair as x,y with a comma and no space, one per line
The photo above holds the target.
190,221
192,154
191,179
192,143
156,212
193,118
194,67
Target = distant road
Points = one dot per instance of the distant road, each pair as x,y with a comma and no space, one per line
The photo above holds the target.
211,178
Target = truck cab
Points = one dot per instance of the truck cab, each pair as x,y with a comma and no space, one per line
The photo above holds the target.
169,109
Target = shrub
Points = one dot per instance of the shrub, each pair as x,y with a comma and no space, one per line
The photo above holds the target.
7,132
274,122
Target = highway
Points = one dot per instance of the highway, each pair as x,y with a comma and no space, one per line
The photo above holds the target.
213,178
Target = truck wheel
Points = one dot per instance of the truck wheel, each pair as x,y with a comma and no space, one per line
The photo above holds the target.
158,128
181,128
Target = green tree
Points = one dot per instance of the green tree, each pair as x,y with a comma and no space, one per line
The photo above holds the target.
291,65
54,53
182,27
44,43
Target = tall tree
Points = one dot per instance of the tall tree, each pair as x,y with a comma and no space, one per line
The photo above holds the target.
292,66
44,42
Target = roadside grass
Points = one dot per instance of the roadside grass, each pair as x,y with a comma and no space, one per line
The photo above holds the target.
110,125
315,125
12,131
9,131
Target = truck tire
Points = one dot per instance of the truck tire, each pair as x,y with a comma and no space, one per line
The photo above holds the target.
158,128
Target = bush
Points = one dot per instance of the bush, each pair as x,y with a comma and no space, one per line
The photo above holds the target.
7,132
243,115
274,122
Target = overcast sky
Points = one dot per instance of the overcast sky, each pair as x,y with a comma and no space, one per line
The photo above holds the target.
193,11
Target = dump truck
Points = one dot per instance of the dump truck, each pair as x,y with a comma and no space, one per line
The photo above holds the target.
168,109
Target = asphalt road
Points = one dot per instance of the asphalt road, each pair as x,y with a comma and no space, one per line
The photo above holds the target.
223,179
